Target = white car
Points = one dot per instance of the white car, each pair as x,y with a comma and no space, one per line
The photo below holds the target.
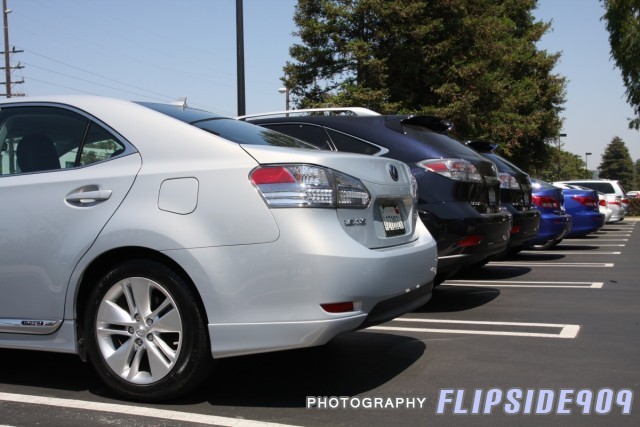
603,206
616,196
149,238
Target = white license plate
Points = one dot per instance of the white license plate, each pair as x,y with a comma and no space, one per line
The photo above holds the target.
392,219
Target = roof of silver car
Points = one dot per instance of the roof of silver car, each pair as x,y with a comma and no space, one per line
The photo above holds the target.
353,111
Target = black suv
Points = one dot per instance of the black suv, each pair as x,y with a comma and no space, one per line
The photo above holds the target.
459,197
515,195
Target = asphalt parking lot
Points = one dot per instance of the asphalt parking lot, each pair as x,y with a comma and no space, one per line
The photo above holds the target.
519,342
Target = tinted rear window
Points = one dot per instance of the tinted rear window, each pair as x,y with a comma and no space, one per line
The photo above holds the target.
246,133
503,164
441,143
603,187
228,128
313,134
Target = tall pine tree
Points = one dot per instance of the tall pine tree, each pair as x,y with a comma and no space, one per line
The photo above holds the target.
474,62
617,164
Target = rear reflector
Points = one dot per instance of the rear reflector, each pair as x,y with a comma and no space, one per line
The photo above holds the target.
338,307
515,229
272,175
470,240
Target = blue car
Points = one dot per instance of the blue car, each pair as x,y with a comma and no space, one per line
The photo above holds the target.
555,223
583,205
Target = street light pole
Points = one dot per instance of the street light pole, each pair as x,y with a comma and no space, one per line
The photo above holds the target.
559,146
285,90
586,157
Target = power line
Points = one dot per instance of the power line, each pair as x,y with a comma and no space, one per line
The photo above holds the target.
96,74
98,84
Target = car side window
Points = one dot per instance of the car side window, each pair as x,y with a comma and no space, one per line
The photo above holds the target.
40,139
344,142
312,134
99,145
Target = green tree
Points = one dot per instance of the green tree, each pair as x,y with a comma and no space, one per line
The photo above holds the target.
622,19
637,170
474,62
617,164
563,166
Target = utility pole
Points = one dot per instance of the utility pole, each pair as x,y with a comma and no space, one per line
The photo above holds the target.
7,55
240,57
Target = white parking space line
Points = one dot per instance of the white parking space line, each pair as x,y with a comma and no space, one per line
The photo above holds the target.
577,246
523,284
566,331
587,245
610,234
553,264
569,252
593,241
135,411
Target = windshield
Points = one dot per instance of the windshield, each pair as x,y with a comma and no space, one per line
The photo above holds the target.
234,130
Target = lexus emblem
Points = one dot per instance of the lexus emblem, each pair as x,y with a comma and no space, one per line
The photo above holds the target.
393,171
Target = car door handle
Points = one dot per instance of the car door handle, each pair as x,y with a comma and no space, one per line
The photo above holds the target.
88,197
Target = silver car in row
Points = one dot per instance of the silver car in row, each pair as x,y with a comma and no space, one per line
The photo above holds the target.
147,238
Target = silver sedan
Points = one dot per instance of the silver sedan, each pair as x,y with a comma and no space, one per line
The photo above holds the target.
150,238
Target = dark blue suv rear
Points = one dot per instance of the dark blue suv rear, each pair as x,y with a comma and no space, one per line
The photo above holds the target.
459,190
515,189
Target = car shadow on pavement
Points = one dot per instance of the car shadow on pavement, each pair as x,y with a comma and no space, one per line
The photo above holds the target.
576,247
492,272
535,256
351,364
458,298
610,229
48,370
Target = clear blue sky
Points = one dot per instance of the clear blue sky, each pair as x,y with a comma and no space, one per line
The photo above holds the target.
161,49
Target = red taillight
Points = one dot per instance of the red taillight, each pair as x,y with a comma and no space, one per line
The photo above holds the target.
546,202
272,175
302,185
625,201
338,307
470,240
614,202
585,200
603,202
515,229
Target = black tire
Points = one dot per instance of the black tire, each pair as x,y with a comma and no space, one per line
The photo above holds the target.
146,336
547,245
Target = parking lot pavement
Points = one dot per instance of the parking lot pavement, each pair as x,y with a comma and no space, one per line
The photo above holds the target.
544,338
